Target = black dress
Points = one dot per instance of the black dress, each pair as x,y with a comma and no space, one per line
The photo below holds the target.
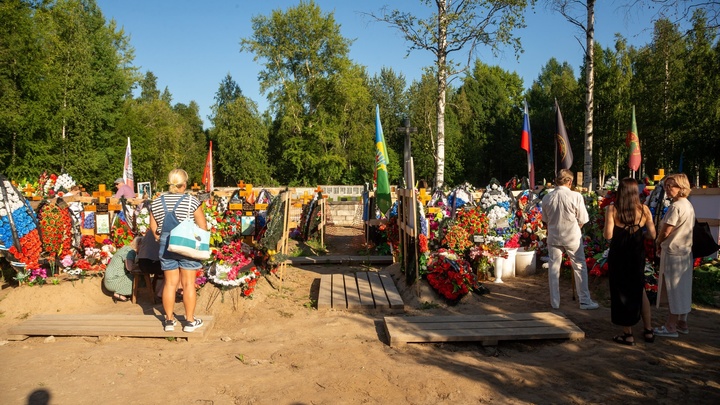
626,270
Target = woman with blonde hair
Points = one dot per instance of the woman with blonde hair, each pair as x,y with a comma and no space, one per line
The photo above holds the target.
676,262
166,212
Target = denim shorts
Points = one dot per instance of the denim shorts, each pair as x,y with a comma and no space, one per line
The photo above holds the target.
172,261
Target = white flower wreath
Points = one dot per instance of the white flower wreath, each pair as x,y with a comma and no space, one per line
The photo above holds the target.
220,276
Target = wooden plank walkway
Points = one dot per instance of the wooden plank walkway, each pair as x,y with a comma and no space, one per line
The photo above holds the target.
359,292
340,259
486,329
105,325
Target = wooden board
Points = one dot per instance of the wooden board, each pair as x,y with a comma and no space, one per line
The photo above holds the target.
393,295
340,259
486,329
325,293
106,325
359,292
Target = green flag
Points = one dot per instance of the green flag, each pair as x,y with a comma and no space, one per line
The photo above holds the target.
382,191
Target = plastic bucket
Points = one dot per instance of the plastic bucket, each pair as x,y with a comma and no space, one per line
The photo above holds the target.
525,263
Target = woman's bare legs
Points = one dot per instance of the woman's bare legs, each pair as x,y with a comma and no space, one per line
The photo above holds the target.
187,279
172,278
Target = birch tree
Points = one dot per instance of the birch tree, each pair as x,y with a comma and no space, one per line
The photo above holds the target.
454,26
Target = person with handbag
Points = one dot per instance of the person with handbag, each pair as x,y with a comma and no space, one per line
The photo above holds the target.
167,212
674,242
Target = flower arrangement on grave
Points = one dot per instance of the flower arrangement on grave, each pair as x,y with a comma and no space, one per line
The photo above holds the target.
450,275
468,222
19,235
482,255
55,229
460,196
142,219
496,203
47,184
231,267
63,184
529,213
121,232
216,222
424,254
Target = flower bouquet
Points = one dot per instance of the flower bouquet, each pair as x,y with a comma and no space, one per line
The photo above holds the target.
231,268
450,275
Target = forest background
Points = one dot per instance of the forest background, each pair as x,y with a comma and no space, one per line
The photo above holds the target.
67,104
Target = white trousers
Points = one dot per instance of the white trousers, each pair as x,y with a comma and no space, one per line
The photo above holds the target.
576,254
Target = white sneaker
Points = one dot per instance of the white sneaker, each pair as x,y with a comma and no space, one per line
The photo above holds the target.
590,305
169,325
191,326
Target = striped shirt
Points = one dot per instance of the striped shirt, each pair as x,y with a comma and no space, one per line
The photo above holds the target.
185,210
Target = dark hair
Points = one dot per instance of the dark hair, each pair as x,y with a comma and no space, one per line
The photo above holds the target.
627,201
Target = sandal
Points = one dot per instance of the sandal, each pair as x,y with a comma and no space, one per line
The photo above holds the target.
649,335
118,297
623,339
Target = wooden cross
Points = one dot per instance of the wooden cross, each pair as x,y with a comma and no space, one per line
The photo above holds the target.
423,196
407,129
195,187
102,195
246,191
306,197
241,185
660,175
29,190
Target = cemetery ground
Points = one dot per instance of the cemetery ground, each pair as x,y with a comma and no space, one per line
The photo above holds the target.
277,348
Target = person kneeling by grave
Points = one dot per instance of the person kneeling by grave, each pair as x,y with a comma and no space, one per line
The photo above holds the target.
118,279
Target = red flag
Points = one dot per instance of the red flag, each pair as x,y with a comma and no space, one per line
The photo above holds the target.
128,176
526,144
633,142
207,178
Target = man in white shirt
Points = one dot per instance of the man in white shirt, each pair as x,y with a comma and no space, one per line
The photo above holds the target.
564,213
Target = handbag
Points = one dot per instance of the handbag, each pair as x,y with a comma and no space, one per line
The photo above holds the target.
704,244
189,240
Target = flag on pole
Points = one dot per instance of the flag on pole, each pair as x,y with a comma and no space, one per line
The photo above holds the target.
563,153
207,178
526,144
633,142
128,177
382,191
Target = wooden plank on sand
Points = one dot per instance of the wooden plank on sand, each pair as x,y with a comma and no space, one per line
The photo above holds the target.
392,292
486,329
338,292
366,296
378,291
351,292
106,325
325,293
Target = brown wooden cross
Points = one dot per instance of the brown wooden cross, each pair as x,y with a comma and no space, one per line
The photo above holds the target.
102,195
423,196
195,187
29,190
659,176
306,197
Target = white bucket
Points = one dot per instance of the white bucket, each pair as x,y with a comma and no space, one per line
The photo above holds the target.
509,263
525,262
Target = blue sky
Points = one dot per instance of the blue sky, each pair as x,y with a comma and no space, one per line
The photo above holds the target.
192,45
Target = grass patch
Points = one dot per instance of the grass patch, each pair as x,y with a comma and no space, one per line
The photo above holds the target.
429,305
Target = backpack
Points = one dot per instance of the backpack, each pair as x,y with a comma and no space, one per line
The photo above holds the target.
171,220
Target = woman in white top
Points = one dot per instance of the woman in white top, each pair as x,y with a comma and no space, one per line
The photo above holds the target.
177,269
676,261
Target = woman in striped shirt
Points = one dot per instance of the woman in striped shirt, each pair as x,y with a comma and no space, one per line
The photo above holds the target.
177,269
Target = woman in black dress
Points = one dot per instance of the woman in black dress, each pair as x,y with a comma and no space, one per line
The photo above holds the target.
624,223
